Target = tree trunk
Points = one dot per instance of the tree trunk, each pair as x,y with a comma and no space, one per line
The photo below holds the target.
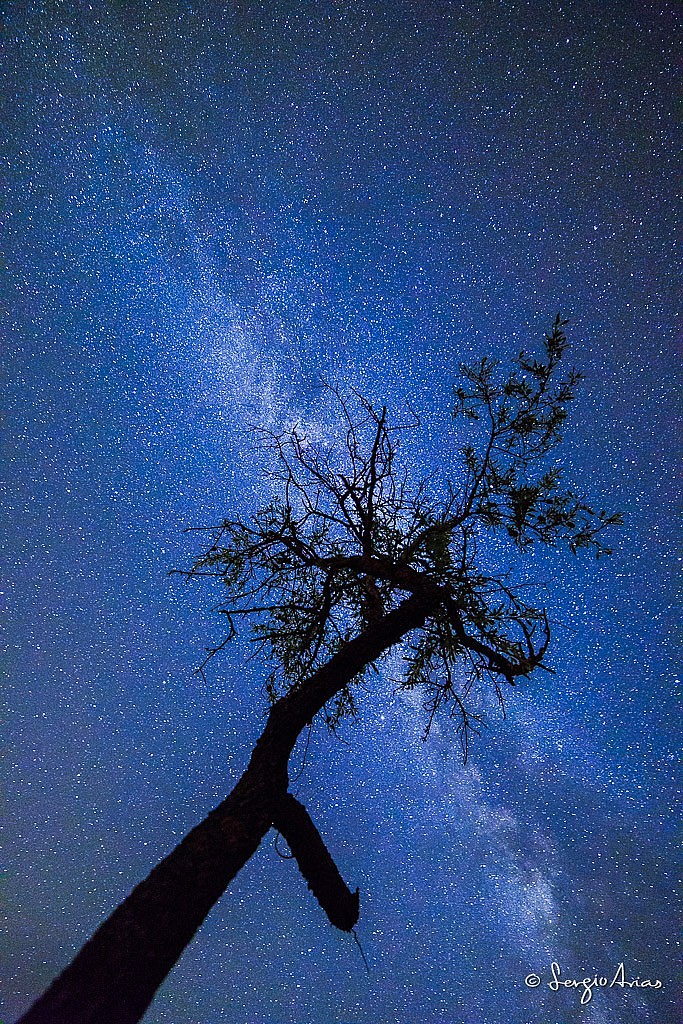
116,974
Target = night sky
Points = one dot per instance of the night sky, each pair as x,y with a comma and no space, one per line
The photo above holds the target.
210,207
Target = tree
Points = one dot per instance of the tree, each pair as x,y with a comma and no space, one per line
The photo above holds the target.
349,560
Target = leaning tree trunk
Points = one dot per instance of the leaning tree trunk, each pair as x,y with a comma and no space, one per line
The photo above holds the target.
114,977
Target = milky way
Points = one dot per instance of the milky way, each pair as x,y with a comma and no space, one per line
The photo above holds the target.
211,209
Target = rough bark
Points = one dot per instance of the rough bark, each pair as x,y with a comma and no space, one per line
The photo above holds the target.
115,976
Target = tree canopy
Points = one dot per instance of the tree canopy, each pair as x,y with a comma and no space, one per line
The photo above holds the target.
350,531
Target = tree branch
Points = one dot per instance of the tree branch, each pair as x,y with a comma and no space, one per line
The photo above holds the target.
292,820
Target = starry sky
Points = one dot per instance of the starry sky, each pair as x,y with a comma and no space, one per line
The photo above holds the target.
208,209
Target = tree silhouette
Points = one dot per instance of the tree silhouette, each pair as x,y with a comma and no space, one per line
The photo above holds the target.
350,559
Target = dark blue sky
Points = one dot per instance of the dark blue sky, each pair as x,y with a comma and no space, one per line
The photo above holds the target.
209,207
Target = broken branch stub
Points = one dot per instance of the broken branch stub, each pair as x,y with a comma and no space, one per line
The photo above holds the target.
315,863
